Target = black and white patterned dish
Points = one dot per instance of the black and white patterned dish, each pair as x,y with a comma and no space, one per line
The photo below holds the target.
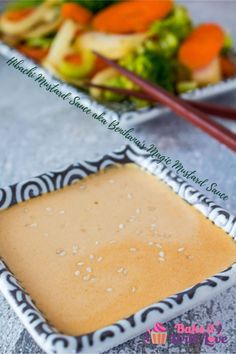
49,338
124,112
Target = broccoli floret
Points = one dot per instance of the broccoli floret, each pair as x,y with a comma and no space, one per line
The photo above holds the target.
178,22
167,45
122,82
152,67
228,44
95,5
148,65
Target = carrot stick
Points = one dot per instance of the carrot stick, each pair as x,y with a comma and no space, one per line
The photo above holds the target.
202,46
18,15
76,12
131,16
35,53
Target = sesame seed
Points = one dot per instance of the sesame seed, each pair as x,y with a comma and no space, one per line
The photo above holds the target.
100,259
89,269
125,271
132,249
121,226
62,212
75,249
112,241
162,254
77,273
129,196
158,245
48,209
181,249
45,234
86,277
61,253
161,259
33,225
91,256
111,181
82,186
80,263
133,289
120,270
96,243
190,257
138,211
109,290
150,243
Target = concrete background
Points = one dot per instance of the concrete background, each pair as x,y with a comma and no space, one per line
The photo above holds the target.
39,132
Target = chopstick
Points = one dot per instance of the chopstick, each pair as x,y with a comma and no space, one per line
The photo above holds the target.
182,108
213,109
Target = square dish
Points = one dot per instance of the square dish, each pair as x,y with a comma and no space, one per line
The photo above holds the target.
122,112
99,340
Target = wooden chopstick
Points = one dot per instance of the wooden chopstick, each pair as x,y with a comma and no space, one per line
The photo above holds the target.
182,108
213,109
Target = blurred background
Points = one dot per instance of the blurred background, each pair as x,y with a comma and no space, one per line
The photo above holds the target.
39,132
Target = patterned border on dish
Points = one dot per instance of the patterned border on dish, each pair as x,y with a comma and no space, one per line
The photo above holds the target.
123,112
45,335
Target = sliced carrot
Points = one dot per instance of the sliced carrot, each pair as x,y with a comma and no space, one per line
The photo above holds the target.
227,67
76,12
35,53
131,16
18,15
202,46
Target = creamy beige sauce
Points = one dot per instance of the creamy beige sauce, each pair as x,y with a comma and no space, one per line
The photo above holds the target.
103,248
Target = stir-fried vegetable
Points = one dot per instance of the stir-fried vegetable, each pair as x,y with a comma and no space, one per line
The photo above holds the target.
76,12
12,27
95,5
37,54
178,22
155,39
39,42
228,44
153,67
166,45
131,16
165,35
77,65
210,38
61,44
147,64
18,15
114,46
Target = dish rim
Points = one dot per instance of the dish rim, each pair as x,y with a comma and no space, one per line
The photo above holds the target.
46,336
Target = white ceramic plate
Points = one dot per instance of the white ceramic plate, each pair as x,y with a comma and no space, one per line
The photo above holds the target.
49,338
120,111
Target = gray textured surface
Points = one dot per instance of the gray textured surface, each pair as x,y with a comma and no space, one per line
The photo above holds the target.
38,132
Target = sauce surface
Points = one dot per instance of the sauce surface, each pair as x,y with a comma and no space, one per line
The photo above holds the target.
101,249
